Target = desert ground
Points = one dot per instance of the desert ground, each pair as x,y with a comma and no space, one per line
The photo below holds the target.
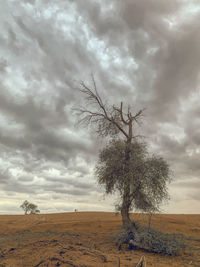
88,239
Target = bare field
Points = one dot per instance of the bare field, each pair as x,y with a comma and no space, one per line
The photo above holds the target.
87,239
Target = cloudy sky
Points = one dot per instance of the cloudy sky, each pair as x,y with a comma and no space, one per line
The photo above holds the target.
143,52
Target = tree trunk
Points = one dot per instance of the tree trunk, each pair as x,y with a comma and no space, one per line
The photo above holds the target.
126,221
126,190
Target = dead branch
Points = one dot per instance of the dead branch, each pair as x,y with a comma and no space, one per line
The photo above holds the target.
142,262
115,116
120,111
118,261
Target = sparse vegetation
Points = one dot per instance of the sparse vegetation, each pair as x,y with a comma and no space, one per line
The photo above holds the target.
152,240
87,244
29,208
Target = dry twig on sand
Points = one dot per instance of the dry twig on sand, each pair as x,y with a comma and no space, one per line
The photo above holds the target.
142,262
118,261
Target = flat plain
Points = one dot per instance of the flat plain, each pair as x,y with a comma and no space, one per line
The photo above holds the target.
83,239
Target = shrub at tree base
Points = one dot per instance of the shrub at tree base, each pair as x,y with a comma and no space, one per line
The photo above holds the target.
152,240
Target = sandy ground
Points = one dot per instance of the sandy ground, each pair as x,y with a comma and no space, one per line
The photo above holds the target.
87,239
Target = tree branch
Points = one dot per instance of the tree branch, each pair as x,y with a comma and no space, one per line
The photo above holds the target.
94,97
137,115
120,111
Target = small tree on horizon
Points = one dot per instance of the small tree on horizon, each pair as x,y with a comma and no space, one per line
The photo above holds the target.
116,168
29,208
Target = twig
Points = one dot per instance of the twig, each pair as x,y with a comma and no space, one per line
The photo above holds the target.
142,262
118,261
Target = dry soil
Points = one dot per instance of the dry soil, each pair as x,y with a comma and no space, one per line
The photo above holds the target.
87,239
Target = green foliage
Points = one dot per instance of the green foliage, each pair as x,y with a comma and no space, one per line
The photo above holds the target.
146,175
29,208
152,240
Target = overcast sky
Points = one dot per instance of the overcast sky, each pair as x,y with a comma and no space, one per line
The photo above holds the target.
143,52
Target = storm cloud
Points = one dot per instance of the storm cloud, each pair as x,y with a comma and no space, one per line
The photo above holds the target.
145,53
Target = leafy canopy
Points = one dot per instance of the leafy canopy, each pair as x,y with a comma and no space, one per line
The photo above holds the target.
147,175
29,208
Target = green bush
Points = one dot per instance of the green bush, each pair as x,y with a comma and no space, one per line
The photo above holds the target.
152,240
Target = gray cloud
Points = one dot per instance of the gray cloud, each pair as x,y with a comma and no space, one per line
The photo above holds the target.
189,184
145,53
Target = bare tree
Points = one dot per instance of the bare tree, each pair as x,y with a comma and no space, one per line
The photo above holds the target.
111,120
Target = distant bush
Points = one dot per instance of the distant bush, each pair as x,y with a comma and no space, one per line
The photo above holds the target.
29,208
152,240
